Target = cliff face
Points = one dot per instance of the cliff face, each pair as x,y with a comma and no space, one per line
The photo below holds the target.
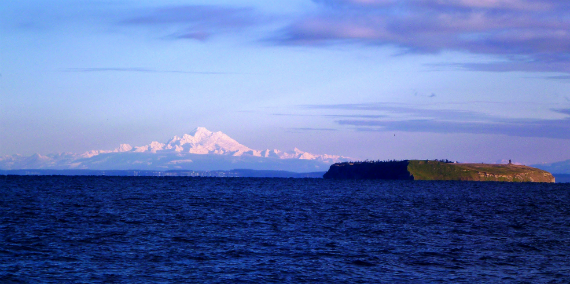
434,170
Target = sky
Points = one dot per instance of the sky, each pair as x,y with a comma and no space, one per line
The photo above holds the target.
465,80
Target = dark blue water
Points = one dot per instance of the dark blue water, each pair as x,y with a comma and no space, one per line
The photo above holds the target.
196,230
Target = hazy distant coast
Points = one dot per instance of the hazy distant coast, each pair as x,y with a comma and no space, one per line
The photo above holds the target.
171,173
437,170
201,150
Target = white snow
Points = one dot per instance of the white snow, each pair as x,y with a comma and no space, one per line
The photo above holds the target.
123,148
199,141
202,141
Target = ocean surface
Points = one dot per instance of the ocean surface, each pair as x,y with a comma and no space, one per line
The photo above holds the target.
57,229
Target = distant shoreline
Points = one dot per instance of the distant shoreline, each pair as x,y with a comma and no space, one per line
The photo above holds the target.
560,178
170,173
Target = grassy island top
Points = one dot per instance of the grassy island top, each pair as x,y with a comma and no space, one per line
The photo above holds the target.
437,170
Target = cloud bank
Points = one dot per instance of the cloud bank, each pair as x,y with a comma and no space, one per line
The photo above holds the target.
530,35
527,35
409,119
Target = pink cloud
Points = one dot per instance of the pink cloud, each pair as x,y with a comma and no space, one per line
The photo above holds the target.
537,30
497,4
358,2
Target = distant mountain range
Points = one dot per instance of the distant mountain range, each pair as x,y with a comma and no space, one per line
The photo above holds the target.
169,173
555,168
200,150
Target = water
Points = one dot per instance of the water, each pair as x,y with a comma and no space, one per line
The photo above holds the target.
220,230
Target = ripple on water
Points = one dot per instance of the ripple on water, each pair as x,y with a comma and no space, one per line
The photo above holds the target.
147,229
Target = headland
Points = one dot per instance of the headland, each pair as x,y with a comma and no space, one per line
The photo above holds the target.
437,170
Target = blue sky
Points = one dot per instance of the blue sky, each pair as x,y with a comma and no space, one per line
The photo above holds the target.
467,80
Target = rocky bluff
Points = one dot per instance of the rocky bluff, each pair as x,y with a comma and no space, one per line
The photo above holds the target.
436,170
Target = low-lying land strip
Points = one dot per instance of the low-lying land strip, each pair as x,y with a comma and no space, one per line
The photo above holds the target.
437,170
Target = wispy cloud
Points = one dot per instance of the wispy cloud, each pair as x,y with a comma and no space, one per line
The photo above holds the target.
312,129
199,22
561,77
531,35
521,128
196,21
140,70
333,115
389,110
355,115
411,119
356,3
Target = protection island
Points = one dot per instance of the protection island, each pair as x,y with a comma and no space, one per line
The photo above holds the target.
437,170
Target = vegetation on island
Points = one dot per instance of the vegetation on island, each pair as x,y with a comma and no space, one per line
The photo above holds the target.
436,170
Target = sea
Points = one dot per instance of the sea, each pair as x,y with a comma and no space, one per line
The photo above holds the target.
101,229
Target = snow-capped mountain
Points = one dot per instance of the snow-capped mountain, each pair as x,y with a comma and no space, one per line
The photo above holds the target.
200,141
201,149
203,142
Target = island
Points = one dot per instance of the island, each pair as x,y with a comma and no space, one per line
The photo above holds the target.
437,170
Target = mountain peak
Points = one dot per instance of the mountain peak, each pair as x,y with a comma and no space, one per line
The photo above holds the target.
203,141
177,153
200,131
